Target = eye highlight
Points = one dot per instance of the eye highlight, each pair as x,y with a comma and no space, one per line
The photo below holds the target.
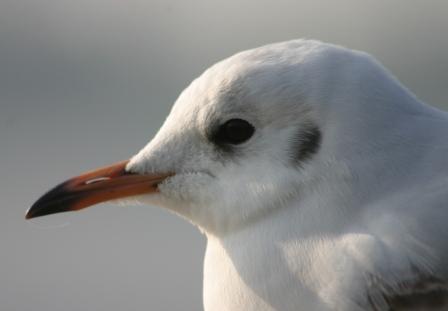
233,132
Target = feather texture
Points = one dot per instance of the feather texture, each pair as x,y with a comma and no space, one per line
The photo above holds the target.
360,224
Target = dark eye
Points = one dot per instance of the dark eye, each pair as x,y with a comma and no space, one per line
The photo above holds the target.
234,131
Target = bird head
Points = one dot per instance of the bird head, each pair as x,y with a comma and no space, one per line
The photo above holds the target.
252,133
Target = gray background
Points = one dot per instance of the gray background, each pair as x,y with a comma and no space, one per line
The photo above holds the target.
84,83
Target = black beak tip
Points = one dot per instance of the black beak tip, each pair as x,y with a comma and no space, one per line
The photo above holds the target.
29,214
54,201
35,211
38,210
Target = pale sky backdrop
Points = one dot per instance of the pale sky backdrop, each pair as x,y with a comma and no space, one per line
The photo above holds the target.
84,83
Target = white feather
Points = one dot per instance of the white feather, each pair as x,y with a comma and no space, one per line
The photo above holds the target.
369,205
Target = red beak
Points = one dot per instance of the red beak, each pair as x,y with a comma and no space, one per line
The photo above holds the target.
104,184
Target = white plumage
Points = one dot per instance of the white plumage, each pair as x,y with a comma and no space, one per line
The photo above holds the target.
320,182
360,224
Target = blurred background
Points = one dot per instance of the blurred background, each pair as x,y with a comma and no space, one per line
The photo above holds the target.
84,83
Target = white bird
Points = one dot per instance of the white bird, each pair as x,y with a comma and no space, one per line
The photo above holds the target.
320,182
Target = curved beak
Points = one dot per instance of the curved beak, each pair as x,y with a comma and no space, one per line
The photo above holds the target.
101,185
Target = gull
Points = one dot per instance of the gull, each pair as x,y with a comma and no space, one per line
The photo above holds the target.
320,182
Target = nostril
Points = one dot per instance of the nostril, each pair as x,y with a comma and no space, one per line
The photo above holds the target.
95,180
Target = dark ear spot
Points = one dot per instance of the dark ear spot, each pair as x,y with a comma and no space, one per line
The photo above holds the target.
308,143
